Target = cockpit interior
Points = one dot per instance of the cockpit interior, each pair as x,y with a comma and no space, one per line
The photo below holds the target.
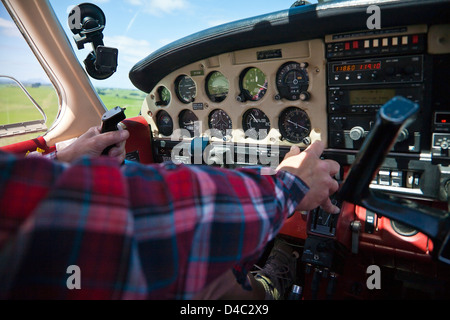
242,93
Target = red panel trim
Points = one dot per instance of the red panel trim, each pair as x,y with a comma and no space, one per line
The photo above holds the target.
386,237
295,226
29,145
140,138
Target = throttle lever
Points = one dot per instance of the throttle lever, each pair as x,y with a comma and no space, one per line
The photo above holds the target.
110,120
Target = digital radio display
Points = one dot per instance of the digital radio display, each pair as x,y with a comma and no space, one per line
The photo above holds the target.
371,97
357,67
442,118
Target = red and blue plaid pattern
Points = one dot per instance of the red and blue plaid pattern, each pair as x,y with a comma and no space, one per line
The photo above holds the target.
163,231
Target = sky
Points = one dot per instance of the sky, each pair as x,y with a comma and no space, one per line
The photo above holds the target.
135,27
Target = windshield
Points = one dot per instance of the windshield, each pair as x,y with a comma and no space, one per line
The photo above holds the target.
139,27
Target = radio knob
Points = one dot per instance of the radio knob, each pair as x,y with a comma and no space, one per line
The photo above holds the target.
356,133
335,107
337,94
403,135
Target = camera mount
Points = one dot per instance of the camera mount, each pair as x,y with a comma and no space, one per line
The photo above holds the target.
87,22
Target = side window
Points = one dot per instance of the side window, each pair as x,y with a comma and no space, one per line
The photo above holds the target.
28,101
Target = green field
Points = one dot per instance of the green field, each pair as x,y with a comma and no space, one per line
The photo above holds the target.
125,98
16,107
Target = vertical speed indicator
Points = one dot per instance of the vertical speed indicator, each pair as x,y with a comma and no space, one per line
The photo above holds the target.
294,124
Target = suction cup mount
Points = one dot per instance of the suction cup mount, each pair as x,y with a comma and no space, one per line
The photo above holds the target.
87,22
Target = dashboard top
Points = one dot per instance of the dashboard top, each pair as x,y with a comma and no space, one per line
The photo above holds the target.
295,24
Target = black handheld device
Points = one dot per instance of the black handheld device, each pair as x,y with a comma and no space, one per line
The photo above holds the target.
110,120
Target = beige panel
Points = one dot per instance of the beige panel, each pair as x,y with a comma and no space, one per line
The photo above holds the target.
439,39
299,50
231,65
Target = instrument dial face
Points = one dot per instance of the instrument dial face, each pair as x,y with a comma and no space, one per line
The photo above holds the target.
256,124
217,86
220,123
294,124
185,89
253,83
163,96
292,80
189,121
164,123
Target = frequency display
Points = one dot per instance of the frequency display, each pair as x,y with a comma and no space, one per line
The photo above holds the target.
375,65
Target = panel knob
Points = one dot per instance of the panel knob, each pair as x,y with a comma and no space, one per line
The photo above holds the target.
356,133
305,96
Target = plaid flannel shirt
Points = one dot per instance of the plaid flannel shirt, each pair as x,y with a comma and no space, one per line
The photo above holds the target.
161,231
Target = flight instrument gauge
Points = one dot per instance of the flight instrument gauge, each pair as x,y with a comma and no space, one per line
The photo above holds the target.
256,124
292,81
185,89
189,121
294,124
217,86
163,96
253,84
220,123
164,123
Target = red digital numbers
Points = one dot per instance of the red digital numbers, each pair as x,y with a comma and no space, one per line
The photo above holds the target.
357,67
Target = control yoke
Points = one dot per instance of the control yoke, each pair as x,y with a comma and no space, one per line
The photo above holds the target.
396,114
87,22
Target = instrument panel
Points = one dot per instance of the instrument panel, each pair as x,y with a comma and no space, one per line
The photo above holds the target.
255,100
268,95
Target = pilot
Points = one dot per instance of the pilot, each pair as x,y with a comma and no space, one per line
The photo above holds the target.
85,227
